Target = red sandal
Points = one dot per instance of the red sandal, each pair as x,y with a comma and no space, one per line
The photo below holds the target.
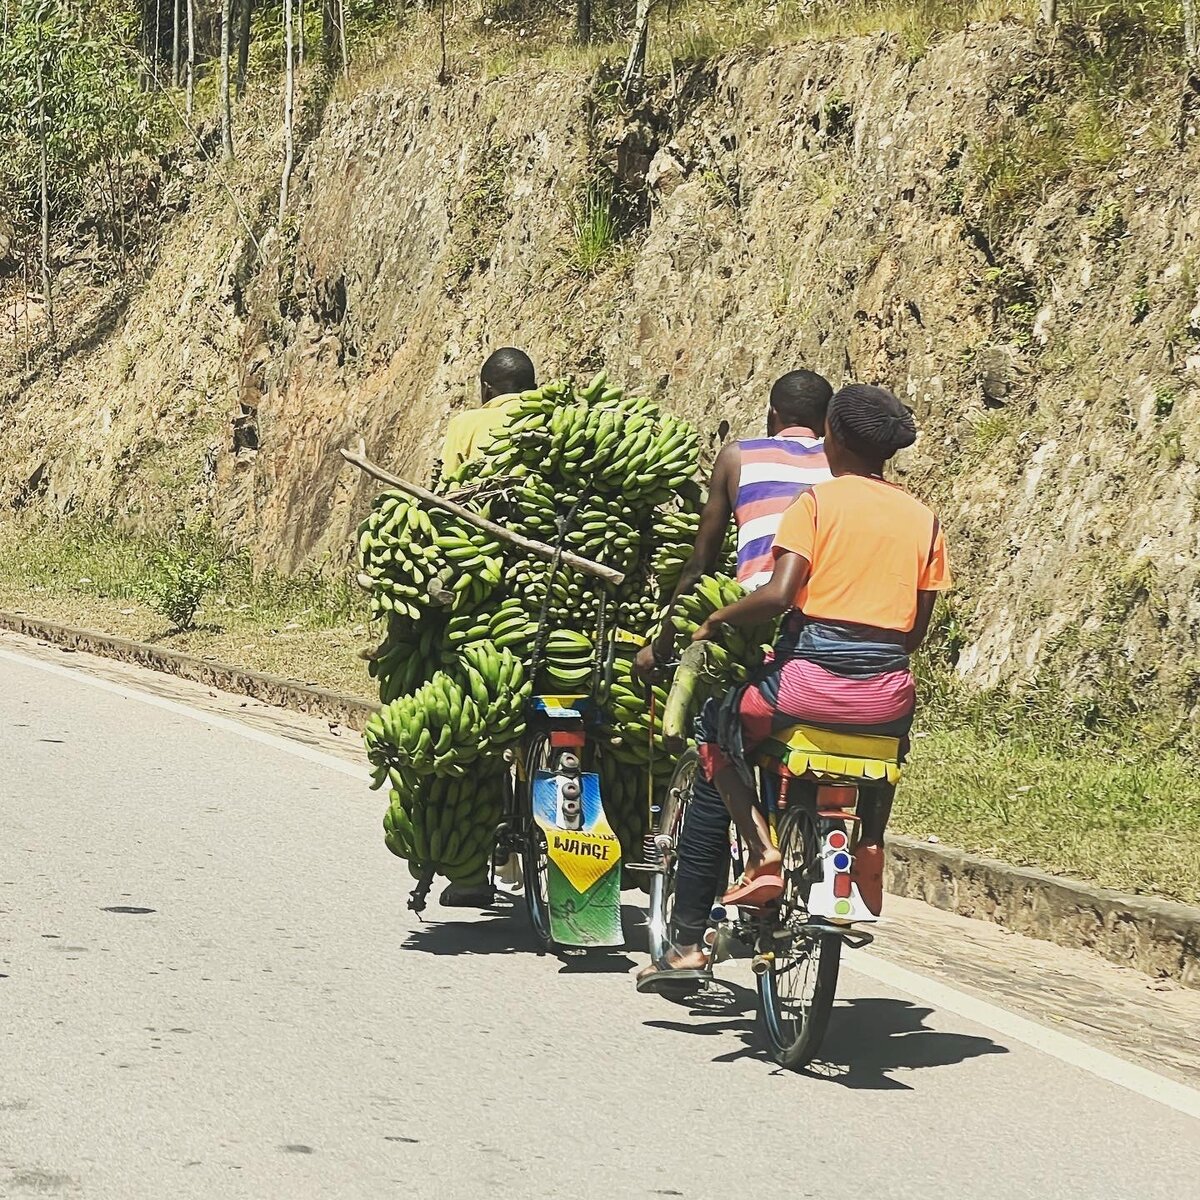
755,893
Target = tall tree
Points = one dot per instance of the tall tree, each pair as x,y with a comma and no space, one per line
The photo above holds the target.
226,103
1048,12
635,65
176,6
330,41
583,20
341,5
43,179
1190,33
245,8
191,55
289,95
300,30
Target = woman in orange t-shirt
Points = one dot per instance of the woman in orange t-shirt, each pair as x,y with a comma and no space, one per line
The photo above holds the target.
859,563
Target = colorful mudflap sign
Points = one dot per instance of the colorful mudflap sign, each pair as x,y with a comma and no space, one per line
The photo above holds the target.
584,872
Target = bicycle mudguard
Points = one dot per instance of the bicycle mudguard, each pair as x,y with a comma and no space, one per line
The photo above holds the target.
835,897
583,877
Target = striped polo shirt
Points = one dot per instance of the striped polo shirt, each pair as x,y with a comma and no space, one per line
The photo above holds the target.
775,470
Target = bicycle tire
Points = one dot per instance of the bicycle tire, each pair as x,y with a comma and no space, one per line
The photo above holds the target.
534,858
662,883
795,1033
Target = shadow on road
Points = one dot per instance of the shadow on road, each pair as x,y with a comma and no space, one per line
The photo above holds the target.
869,1038
505,931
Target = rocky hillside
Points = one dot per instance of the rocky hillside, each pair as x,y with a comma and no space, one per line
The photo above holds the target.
941,224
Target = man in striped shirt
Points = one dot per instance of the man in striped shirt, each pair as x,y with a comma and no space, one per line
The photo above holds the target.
754,481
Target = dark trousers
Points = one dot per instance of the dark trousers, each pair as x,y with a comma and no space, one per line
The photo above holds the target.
702,861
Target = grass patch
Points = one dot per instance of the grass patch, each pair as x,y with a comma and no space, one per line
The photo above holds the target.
593,229
1121,817
307,626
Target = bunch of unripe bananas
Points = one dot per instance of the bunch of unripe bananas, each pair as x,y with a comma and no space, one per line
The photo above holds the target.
412,560
737,649
451,721
447,825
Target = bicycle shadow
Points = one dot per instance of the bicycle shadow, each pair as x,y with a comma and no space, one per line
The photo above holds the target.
869,1037
504,929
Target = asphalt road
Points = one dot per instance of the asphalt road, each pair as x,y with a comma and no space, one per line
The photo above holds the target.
210,987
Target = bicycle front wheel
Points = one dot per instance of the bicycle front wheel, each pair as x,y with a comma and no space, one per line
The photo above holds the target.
795,994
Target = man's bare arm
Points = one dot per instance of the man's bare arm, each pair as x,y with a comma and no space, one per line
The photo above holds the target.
710,540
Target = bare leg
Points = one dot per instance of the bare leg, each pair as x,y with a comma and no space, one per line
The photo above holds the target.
678,958
762,858
874,806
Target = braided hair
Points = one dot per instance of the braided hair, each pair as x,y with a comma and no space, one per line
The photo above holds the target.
871,422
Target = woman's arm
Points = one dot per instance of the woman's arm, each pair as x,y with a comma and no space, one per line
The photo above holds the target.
775,597
925,603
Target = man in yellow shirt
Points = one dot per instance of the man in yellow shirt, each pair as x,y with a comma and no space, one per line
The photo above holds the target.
506,374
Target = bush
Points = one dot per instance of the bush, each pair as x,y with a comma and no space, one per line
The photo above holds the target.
181,574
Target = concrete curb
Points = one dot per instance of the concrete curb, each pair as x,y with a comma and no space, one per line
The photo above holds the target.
1158,937
270,689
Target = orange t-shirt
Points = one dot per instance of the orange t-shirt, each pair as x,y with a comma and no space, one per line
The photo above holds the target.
871,548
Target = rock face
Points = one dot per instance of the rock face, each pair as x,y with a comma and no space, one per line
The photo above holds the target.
801,206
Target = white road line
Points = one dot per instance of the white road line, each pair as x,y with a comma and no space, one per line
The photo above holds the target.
80,675
1057,1045
1066,1049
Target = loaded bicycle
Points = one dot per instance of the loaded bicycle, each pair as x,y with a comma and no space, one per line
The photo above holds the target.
555,825
796,943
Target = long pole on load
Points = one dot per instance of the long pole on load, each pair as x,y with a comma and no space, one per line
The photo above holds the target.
358,457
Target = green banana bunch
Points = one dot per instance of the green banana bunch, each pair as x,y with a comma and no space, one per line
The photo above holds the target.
569,664
409,655
473,563
675,535
452,721
741,648
395,555
447,825
628,706
509,624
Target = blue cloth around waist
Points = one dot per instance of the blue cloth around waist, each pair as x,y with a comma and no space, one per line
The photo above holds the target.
851,650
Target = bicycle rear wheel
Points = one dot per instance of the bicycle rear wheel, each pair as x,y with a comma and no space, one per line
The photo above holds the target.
670,824
795,995
535,860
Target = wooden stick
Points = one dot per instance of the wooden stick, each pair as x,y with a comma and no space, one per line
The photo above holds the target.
358,457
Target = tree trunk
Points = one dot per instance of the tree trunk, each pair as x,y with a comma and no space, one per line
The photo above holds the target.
157,38
342,38
1048,12
1190,33
443,73
244,10
191,55
635,66
289,95
329,34
300,31
175,40
583,21
226,104
44,185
